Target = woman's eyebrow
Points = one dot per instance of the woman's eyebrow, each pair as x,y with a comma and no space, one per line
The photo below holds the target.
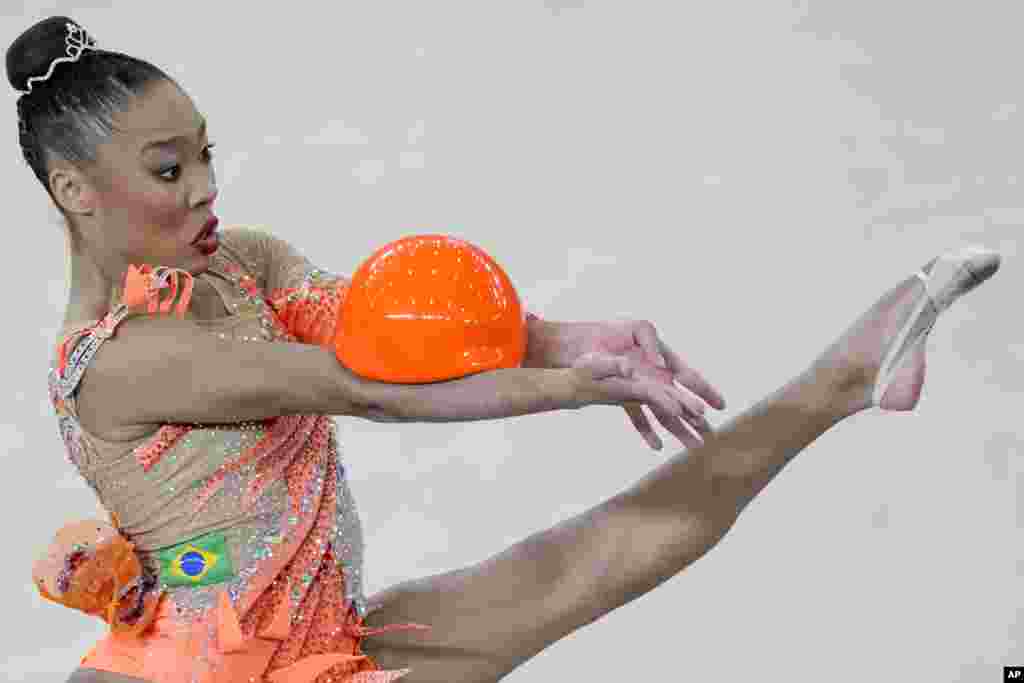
170,141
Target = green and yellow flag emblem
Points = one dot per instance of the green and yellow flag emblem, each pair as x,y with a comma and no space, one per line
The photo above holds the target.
202,561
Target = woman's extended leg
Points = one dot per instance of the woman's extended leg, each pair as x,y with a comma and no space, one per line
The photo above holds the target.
489,618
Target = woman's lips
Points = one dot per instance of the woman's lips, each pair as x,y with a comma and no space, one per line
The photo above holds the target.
208,229
209,238
208,245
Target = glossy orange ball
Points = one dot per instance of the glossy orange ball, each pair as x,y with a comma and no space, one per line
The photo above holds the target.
428,308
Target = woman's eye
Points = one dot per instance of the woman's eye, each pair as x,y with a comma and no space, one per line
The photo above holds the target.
171,173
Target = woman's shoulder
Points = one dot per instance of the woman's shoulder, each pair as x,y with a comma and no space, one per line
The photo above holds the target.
273,260
246,234
248,240
243,251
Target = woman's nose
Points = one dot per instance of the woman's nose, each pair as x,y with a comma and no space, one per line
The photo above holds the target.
211,195
205,192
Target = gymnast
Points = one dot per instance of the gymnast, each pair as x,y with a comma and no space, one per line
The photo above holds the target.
195,386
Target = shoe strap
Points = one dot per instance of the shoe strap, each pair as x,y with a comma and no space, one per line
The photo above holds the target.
945,283
899,347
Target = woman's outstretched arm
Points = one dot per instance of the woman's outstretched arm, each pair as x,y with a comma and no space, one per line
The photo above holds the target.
159,370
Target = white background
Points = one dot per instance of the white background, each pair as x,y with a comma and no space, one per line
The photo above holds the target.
749,176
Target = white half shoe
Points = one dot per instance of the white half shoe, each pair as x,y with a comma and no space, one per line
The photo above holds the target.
951,276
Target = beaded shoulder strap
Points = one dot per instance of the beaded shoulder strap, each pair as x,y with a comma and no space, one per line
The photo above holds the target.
142,289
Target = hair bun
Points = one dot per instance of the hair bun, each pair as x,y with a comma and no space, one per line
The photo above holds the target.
34,50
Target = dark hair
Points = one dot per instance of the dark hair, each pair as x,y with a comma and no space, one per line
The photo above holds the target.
71,112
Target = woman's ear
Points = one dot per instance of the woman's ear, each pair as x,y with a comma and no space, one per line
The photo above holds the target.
72,190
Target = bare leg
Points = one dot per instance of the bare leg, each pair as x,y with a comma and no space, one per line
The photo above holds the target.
678,512
489,618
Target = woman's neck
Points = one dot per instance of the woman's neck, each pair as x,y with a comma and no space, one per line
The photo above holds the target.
92,294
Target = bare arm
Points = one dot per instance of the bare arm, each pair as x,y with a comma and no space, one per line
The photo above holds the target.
169,370
484,396
157,370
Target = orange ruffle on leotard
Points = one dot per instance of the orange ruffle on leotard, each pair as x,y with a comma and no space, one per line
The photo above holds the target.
333,651
91,567
310,313
142,287
144,283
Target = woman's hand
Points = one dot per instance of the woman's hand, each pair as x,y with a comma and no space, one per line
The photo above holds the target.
601,378
561,344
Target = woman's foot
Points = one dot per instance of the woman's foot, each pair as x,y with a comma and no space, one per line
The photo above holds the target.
854,361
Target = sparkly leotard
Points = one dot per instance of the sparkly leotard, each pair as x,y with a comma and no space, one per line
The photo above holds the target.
250,530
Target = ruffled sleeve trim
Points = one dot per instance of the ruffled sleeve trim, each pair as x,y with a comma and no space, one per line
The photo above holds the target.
143,286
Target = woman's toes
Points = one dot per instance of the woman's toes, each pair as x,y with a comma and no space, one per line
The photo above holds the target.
982,265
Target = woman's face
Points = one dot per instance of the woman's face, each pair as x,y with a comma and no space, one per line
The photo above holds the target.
153,185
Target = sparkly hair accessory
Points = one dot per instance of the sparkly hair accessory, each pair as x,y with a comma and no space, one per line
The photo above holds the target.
77,42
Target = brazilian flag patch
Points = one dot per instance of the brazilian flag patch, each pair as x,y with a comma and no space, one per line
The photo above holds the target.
202,561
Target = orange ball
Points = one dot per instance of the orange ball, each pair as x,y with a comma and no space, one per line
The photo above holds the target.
428,308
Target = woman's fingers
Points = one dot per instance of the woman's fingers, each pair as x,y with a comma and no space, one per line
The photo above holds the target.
693,403
679,427
672,407
635,411
701,424
691,399
676,408
690,378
